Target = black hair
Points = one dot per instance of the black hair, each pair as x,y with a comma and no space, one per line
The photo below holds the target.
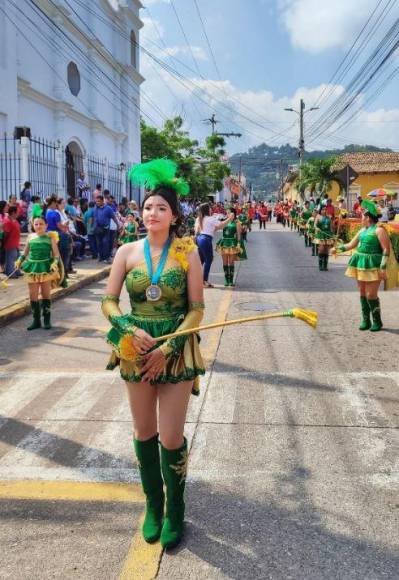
12,209
70,200
3,205
98,186
100,197
234,211
170,196
92,204
373,218
39,217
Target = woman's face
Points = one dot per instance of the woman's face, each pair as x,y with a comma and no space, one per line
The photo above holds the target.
366,221
157,214
39,226
61,205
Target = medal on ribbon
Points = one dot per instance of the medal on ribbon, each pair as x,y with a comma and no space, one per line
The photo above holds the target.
153,292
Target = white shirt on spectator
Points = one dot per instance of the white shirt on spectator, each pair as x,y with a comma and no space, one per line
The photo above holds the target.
209,224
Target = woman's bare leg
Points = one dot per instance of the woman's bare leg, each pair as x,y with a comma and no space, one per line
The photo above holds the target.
143,407
45,289
173,403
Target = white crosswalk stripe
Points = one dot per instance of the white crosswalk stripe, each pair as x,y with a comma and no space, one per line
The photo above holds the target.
85,432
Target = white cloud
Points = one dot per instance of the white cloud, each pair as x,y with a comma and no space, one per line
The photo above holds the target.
197,51
315,26
378,127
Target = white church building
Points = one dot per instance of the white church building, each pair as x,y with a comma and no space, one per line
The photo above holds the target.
69,94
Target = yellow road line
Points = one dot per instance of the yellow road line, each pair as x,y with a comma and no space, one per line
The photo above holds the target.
212,341
71,491
143,559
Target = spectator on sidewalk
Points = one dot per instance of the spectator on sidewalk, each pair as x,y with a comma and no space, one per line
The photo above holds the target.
88,219
12,240
114,227
3,215
97,192
83,185
65,242
103,215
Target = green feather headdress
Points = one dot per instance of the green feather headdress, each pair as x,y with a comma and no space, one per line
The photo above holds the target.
156,173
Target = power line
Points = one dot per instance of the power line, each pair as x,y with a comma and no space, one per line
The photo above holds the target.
185,36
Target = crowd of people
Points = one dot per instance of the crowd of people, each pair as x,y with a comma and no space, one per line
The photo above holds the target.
86,229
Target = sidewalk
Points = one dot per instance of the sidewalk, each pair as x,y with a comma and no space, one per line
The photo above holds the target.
14,301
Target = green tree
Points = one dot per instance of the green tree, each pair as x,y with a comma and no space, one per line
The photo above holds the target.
200,166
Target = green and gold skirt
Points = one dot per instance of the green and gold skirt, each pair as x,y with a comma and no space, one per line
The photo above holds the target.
364,267
229,247
186,365
39,271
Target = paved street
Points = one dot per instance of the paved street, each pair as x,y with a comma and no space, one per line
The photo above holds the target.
294,469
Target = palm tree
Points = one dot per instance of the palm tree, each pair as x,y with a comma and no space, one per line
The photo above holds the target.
318,174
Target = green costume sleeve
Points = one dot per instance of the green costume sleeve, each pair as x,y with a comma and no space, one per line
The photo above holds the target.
112,312
194,316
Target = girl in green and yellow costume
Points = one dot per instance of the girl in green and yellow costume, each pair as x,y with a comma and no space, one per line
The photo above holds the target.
324,237
310,226
43,269
130,230
163,278
368,265
230,248
306,213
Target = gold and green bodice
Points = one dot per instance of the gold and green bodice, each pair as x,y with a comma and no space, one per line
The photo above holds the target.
40,248
369,242
173,283
40,255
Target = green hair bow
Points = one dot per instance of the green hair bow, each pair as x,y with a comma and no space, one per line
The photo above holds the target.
156,173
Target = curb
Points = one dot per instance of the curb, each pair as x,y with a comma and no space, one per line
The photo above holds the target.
19,309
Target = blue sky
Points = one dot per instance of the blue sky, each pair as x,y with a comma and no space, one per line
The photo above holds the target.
270,53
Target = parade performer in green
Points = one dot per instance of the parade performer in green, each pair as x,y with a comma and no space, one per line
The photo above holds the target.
294,215
305,215
43,270
130,230
368,265
324,237
230,248
163,277
311,232
244,221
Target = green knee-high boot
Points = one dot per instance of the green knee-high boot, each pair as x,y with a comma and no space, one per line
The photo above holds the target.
147,453
366,323
313,249
174,470
321,263
46,311
226,275
326,256
231,276
35,305
375,309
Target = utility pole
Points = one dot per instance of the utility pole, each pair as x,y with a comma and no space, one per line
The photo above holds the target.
301,113
301,135
212,121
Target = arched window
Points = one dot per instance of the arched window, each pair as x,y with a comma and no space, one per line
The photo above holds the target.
133,49
73,79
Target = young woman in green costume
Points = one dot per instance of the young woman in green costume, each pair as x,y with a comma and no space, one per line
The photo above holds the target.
130,230
230,248
324,237
368,265
43,269
310,226
163,278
